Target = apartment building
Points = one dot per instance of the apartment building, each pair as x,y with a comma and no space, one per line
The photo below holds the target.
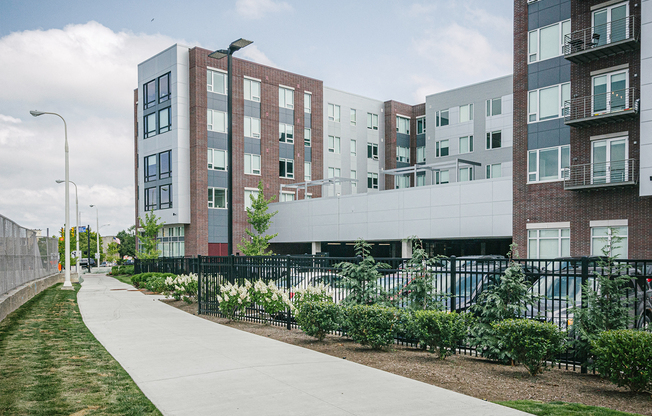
582,166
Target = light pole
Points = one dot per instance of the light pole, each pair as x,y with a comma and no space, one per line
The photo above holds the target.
76,225
219,54
97,234
67,284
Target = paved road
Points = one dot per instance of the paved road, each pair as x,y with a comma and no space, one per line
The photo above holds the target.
190,366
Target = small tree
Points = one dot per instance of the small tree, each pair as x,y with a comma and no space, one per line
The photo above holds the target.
260,221
151,226
127,245
421,291
362,277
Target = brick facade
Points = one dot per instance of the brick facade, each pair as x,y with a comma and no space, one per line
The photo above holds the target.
392,109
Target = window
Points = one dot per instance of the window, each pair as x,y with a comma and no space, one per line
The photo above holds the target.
421,178
165,196
402,181
442,118
285,97
609,162
307,102
286,168
548,243
421,125
287,196
217,159
251,90
216,81
402,125
164,87
610,92
494,107
494,171
354,184
307,173
217,198
164,165
149,94
549,164
441,148
248,194
354,145
285,133
372,151
150,125
307,137
354,116
372,180
164,120
602,237
466,174
547,103
334,172
421,154
547,42
252,164
466,113
466,144
334,112
217,121
372,121
150,168
334,144
442,176
494,140
402,154
252,127
150,199
611,24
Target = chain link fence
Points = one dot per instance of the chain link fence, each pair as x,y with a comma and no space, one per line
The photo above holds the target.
24,256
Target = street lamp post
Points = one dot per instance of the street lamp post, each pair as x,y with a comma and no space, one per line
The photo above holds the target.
219,54
76,225
97,234
67,284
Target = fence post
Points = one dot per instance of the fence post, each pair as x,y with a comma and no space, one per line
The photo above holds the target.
199,278
453,281
232,269
585,278
289,285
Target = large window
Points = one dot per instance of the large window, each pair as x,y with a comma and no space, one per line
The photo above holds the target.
372,151
372,180
442,118
252,127
421,125
547,42
217,159
442,176
164,164
372,121
150,125
149,94
441,148
610,92
465,174
608,160
165,196
547,103
307,102
217,198
248,194
334,144
150,168
494,140
252,164
307,172
286,168
150,199
609,237
421,154
307,137
164,88
251,90
421,179
494,107
287,196
334,172
466,113
402,154
217,121
548,164
610,24
402,125
164,120
285,133
494,171
466,144
285,97
402,181
548,243
216,81
334,112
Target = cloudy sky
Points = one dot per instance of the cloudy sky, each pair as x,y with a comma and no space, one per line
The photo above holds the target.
79,58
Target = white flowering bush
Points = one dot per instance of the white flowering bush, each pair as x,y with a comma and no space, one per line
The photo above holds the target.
269,297
318,293
183,287
234,298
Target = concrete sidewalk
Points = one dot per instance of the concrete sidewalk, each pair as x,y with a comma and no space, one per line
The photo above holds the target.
190,366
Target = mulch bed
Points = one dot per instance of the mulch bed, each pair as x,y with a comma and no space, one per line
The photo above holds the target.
465,374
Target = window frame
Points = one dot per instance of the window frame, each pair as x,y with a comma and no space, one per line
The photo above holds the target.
252,122
560,164
150,194
353,116
334,144
403,152
307,171
421,125
212,199
534,56
167,204
402,124
334,112
146,93
372,121
372,180
248,92
439,121
469,144
307,137
166,97
400,181
334,172
286,162
468,109
372,149
421,154
247,193
563,96
283,135
211,87
307,98
165,174
168,126
286,92
490,170
562,250
147,177
211,118
439,180
491,107
353,147
470,171
252,158
609,236
439,148
489,144
211,159
147,130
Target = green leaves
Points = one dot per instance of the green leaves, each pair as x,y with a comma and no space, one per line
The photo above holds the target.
440,331
361,278
319,318
260,221
625,358
147,240
371,325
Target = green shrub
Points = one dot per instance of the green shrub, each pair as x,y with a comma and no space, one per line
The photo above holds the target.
371,325
129,270
141,280
440,331
156,284
319,318
529,342
625,358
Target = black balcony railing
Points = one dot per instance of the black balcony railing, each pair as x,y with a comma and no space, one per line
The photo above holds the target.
601,40
598,175
602,108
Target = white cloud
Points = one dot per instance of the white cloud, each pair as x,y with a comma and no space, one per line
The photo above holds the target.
86,73
257,9
252,53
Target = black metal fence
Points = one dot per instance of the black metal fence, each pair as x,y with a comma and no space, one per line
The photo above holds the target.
555,283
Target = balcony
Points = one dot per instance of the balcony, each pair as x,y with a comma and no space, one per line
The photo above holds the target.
609,107
600,175
603,40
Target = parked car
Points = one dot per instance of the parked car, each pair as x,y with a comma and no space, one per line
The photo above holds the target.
84,262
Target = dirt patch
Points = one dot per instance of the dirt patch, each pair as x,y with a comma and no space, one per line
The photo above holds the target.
465,374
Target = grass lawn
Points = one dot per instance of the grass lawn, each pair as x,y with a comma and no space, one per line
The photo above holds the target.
124,278
51,364
561,409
